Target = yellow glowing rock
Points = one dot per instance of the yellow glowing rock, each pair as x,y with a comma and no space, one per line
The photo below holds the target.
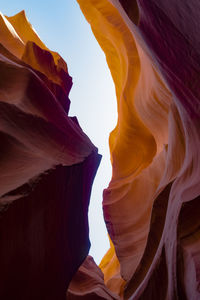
150,207
139,137
9,37
27,33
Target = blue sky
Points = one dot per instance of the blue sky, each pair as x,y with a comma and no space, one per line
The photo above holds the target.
62,27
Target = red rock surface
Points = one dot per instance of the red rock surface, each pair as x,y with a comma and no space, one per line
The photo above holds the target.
151,207
47,168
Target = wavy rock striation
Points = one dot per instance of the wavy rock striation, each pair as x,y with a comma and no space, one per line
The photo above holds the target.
47,168
151,207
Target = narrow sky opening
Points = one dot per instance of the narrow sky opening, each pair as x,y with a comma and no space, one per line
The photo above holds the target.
63,28
94,103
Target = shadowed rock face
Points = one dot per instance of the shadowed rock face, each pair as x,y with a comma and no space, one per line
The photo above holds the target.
151,206
47,168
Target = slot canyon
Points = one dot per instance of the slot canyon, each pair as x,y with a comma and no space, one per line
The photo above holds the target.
151,206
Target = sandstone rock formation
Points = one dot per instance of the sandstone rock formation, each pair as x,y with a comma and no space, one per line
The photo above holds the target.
152,205
47,169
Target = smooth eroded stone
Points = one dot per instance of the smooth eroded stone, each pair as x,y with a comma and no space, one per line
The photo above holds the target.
47,169
152,50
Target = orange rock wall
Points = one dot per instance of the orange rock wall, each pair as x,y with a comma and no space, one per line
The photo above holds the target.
151,207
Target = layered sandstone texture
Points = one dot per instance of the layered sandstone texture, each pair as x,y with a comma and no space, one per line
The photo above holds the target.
47,168
152,205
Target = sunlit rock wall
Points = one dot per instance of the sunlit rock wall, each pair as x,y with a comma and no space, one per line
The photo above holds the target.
152,205
47,169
